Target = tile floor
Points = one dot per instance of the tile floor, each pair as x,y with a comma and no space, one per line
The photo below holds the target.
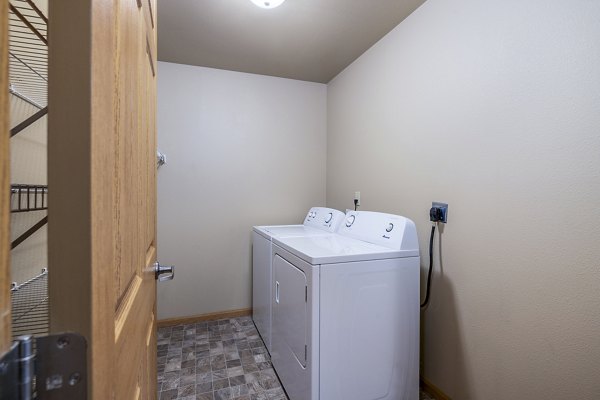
215,360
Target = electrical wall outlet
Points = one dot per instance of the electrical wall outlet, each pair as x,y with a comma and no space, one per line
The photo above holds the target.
444,210
357,198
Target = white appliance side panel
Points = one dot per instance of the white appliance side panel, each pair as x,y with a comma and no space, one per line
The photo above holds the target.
262,286
370,330
295,325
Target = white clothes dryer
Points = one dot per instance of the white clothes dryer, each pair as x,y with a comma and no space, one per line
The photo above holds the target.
346,311
319,221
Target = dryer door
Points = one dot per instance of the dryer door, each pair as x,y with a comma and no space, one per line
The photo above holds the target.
295,325
289,312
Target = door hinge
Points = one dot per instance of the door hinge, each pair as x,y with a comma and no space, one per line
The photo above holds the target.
46,367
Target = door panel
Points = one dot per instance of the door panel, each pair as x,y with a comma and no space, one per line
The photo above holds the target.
134,333
102,170
4,185
289,308
135,206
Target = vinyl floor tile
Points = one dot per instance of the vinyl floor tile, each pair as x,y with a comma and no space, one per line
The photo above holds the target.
214,360
224,359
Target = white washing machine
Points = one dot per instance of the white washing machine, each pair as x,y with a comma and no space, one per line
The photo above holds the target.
346,311
319,221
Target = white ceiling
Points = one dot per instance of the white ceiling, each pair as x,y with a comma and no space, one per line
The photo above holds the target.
309,40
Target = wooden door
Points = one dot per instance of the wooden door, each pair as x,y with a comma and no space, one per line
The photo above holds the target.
4,186
102,188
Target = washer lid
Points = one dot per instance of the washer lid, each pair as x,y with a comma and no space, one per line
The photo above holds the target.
338,249
289,231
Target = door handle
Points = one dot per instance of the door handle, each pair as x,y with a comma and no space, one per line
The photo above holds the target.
163,273
277,292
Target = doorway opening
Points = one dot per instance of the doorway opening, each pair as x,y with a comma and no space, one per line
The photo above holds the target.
28,87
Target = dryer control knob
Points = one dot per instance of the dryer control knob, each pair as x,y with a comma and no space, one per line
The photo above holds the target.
328,218
350,220
390,227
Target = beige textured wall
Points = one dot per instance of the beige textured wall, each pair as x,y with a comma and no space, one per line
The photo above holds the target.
493,107
242,150
28,159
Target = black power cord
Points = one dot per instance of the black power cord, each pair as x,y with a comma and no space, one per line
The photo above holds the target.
426,301
355,204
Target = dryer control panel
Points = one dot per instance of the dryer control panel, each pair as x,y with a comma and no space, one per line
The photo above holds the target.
324,218
389,230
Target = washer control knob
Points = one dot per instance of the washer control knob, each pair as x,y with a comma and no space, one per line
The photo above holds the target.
390,227
350,220
328,218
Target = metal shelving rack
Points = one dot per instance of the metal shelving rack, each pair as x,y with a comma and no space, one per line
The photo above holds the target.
25,198
28,52
30,306
28,76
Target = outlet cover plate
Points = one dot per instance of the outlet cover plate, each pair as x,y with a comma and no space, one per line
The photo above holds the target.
444,207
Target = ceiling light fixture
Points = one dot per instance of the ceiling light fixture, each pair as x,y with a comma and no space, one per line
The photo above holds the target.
268,3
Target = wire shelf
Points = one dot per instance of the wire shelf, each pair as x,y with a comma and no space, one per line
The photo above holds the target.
30,306
28,80
24,198
28,52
